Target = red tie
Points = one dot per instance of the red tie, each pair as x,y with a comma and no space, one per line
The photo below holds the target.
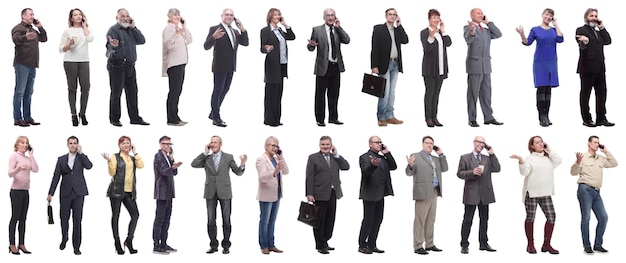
481,28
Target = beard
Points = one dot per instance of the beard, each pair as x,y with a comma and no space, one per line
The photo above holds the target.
124,24
592,23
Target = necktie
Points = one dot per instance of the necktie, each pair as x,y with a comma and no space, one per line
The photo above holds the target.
232,34
216,161
327,157
333,44
478,158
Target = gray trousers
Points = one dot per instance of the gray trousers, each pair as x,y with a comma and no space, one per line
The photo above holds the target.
77,72
479,88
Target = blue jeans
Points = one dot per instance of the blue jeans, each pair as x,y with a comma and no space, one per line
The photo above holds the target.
24,82
269,210
385,104
590,199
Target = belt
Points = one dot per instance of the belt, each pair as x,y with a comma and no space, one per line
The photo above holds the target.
595,188
118,59
332,63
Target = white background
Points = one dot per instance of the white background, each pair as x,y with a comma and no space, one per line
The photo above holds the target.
513,103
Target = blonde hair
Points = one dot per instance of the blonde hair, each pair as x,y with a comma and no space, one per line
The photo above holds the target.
18,140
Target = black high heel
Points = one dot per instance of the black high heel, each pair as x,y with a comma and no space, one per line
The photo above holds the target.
83,119
74,120
16,252
23,249
129,244
118,247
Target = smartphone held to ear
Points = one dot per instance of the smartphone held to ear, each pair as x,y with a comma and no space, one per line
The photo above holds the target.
601,146
279,151
435,147
31,148
487,147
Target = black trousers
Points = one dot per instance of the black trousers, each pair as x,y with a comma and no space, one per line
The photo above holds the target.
133,211
72,204
372,218
327,211
221,86
273,98
122,77
162,221
597,82
431,97
176,78
19,209
77,72
468,217
211,208
327,86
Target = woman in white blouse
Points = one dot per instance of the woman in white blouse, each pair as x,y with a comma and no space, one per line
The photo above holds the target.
538,169
74,43
176,37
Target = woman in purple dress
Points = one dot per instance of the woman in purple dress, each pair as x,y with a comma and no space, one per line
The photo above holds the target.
545,67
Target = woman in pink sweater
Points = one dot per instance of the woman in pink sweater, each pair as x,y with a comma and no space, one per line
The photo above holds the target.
20,166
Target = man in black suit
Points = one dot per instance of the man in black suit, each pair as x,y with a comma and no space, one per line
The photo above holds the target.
323,187
476,168
327,38
73,191
376,165
165,168
592,37
386,61
225,41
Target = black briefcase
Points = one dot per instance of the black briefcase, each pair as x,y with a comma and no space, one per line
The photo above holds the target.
50,216
374,85
309,214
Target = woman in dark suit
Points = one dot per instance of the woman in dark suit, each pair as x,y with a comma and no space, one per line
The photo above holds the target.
274,46
122,190
20,166
434,64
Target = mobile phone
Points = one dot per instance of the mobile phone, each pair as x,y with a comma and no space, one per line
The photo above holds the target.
182,21
31,148
484,18
545,145
132,147
279,151
36,21
601,146
487,147
435,147
131,21
383,147
281,19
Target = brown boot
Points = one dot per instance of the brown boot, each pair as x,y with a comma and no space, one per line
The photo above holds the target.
547,236
528,228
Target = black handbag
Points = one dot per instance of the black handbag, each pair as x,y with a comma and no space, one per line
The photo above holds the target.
309,214
374,85
50,216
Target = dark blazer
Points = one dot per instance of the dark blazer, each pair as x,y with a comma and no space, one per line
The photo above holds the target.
422,173
478,59
273,73
224,54
73,177
478,189
430,61
376,180
164,177
381,47
591,58
321,60
321,177
217,182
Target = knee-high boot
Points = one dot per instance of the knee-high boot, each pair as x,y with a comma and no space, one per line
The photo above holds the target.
547,108
528,228
547,236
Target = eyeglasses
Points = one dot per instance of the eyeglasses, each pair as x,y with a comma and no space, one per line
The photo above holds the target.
377,142
167,143
480,142
273,145
330,15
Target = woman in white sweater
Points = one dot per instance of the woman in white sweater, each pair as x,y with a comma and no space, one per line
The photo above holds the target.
538,169
74,43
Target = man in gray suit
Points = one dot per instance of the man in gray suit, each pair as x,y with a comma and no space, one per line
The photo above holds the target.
328,65
426,170
476,168
478,65
217,187
323,187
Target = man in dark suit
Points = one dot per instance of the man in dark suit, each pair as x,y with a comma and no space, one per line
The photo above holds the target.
478,66
327,38
225,41
386,61
165,168
426,170
592,37
73,191
323,187
376,165
217,188
476,168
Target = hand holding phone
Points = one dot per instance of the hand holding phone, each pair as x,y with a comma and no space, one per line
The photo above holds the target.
487,147
279,152
601,146
31,148
435,147
36,21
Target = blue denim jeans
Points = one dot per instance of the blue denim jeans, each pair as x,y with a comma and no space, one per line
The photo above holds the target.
385,104
590,199
269,211
24,82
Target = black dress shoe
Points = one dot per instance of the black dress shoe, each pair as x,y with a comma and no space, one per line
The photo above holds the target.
589,124
464,250
336,122
494,122
605,123
116,123
588,250
32,122
487,247
77,252
365,250
219,123
321,124
376,250
140,122
212,250
225,251
600,249
323,251
63,243
434,248
473,124
330,248
421,251
21,123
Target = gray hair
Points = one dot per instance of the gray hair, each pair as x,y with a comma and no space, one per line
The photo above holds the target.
173,11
